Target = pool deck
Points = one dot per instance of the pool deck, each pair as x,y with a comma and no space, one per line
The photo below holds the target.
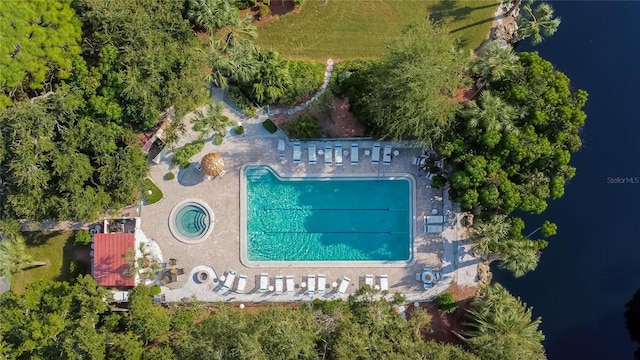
448,252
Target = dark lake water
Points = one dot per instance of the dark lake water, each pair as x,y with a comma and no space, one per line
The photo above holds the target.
592,267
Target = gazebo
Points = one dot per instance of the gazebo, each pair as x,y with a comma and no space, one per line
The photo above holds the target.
212,165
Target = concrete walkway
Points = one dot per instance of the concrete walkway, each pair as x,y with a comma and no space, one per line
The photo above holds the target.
220,252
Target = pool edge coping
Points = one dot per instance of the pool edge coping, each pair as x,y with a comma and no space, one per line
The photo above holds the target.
336,264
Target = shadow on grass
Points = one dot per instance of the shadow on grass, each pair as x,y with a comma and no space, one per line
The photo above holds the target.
450,10
68,255
472,25
37,238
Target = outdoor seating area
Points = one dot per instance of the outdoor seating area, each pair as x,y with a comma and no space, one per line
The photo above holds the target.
428,277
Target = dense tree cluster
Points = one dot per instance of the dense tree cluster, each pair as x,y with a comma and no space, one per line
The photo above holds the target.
410,92
62,321
146,59
511,148
40,42
56,162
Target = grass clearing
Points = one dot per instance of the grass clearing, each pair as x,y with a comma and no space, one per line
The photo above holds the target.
53,247
151,192
346,29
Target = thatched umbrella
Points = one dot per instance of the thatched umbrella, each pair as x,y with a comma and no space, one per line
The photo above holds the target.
212,164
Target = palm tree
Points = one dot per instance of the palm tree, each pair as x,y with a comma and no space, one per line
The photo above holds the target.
492,114
496,63
140,261
238,29
536,22
488,235
211,15
273,78
174,133
520,257
211,119
494,240
13,250
498,317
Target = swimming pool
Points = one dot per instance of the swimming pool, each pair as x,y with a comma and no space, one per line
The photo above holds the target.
339,220
191,221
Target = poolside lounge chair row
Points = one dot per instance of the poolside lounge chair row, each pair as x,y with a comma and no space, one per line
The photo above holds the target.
280,281
335,154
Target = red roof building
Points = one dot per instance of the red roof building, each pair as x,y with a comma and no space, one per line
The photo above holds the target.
108,263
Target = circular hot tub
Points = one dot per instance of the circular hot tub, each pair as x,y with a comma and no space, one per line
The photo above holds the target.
191,221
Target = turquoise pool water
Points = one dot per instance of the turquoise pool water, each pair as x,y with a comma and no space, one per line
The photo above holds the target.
327,219
191,221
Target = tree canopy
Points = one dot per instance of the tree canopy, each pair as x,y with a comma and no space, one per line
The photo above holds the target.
147,58
501,327
511,148
62,321
57,163
410,92
40,42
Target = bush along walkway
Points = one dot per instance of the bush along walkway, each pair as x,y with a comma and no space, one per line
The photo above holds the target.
304,105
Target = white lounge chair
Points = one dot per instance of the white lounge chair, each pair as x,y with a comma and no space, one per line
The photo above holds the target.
419,161
281,149
384,283
311,284
368,280
296,152
435,229
375,154
242,283
290,284
228,282
434,219
322,283
312,154
264,282
338,154
343,285
354,154
279,285
386,155
328,155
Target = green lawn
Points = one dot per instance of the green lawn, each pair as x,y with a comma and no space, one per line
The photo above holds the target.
344,29
53,247
151,192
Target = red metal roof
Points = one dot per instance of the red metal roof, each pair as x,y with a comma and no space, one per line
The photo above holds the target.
108,264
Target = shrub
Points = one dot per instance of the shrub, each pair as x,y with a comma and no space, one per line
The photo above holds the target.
342,83
76,268
264,10
82,238
304,127
155,290
239,130
270,126
169,176
446,302
217,139
183,320
306,78
181,156
241,101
